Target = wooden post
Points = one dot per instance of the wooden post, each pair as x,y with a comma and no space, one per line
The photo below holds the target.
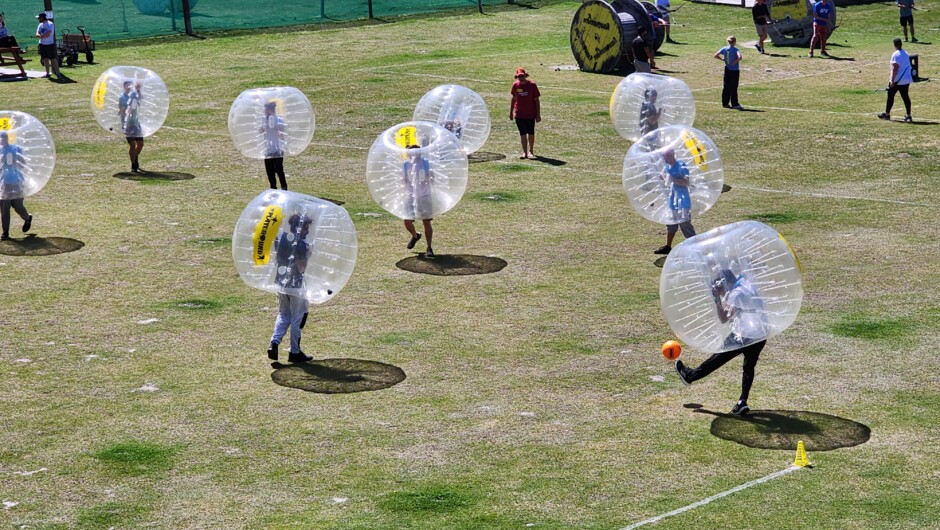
188,18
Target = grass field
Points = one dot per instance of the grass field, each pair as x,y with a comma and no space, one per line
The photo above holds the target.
535,396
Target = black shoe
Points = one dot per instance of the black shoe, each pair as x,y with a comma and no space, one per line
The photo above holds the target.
28,224
913,39
884,116
824,54
740,409
5,237
299,357
414,240
429,253
683,373
664,250
272,351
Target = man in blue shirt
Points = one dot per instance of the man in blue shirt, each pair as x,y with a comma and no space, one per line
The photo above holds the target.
731,57
680,201
822,21
907,17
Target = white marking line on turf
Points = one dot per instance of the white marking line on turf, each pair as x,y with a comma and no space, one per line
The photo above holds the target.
703,502
211,133
832,196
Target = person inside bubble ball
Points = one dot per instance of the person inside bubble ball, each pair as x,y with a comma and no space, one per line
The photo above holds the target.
291,251
129,111
649,114
738,302
454,126
680,201
275,132
12,164
418,200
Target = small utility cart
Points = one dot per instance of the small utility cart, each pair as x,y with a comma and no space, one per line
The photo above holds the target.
74,44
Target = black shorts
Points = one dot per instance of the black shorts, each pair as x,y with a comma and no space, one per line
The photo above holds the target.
132,139
525,125
907,21
47,51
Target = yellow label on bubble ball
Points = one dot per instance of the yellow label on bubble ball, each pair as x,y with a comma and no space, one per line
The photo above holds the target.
265,232
6,124
795,257
407,136
696,149
101,88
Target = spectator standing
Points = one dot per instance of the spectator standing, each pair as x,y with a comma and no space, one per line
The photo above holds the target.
907,17
643,61
731,56
823,12
45,32
525,110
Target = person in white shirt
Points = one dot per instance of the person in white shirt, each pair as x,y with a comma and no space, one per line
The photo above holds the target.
45,32
899,81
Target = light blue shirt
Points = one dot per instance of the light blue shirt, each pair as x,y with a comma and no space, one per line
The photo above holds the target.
730,55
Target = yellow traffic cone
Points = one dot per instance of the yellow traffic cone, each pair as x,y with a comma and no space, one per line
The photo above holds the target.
801,459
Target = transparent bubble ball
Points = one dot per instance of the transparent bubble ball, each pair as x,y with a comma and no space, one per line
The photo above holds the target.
417,170
642,103
279,229
673,174
731,286
130,101
27,155
459,110
271,122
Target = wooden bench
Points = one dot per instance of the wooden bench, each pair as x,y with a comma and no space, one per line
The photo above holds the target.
12,55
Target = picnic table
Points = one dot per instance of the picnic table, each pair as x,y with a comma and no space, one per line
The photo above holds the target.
12,55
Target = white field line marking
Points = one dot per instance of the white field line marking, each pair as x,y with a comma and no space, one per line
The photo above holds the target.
703,502
832,196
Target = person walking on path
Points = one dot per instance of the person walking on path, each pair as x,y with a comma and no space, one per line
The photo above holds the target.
525,110
731,56
899,80
761,15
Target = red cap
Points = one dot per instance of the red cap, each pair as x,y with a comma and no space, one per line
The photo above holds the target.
520,72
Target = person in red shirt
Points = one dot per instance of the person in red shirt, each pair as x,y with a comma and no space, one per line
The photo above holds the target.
525,110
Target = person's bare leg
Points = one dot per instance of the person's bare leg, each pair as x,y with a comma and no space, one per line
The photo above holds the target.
525,146
428,231
531,138
670,236
410,226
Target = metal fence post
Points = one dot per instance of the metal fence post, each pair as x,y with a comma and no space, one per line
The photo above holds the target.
188,18
370,9
480,5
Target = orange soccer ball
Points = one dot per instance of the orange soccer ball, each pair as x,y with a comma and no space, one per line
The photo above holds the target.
671,350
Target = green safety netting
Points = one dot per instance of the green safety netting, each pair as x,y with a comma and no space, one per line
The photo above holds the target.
127,19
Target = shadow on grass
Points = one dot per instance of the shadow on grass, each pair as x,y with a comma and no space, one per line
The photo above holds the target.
485,156
33,245
782,429
725,188
549,161
660,261
334,201
337,376
452,264
145,176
